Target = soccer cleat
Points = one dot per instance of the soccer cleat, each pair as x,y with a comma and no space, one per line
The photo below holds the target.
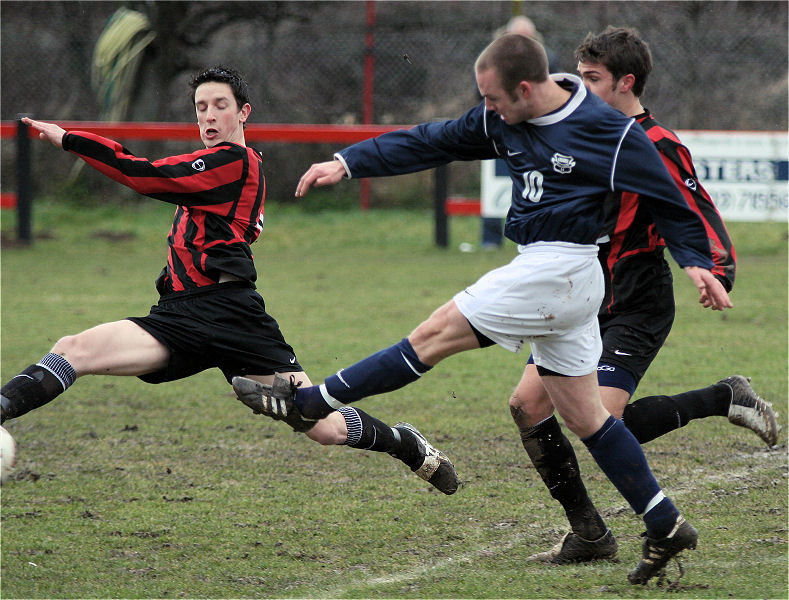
436,468
655,554
747,409
572,548
276,400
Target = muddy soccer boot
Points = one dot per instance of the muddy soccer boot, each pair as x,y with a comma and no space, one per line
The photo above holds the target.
572,548
436,468
655,554
276,400
747,409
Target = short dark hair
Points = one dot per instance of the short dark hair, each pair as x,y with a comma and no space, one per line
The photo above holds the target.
622,51
515,58
226,75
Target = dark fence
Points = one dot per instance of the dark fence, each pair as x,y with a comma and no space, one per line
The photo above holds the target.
718,65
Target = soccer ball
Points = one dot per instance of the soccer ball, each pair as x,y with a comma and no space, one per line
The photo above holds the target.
7,454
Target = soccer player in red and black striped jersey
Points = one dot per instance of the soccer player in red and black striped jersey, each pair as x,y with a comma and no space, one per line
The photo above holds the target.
209,313
636,314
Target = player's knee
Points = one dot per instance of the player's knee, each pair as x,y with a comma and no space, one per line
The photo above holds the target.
527,410
518,414
516,403
73,348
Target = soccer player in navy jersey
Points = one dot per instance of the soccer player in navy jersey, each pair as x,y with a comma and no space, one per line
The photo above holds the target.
565,150
636,314
209,313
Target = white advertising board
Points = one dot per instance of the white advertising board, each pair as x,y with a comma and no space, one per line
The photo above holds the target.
745,172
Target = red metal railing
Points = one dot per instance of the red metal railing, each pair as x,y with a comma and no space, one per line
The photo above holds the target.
304,134
284,133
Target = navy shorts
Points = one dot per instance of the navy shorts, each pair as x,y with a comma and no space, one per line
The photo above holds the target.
632,340
223,325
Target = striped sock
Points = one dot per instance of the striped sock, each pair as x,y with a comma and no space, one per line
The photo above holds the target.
60,368
37,385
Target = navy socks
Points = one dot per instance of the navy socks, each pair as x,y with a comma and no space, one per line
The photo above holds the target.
621,458
385,371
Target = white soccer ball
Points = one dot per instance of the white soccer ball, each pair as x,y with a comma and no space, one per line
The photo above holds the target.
7,454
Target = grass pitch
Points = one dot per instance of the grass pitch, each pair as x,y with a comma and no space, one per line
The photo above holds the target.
128,490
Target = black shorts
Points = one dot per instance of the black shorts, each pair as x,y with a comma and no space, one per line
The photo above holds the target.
223,325
632,340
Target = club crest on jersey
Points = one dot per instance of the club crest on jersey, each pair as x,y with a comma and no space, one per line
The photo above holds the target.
691,183
562,163
199,165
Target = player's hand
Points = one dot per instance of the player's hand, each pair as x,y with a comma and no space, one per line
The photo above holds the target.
712,294
320,174
47,131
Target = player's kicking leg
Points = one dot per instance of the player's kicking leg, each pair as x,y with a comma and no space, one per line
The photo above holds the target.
403,441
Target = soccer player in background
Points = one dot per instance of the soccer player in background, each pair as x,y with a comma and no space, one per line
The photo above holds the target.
565,150
209,313
636,314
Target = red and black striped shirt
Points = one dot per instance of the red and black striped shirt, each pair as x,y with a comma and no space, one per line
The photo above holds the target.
219,194
634,254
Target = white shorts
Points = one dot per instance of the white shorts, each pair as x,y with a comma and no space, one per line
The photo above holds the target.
548,296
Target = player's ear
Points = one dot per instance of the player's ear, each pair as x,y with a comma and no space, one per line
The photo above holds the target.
626,83
245,111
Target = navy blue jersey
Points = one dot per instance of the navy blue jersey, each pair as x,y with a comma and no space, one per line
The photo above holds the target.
561,164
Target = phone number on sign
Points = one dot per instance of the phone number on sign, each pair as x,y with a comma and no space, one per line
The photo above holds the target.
750,200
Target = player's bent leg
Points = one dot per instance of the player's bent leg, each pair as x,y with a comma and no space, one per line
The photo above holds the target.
351,426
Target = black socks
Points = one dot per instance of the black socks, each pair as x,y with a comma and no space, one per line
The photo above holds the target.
37,385
554,458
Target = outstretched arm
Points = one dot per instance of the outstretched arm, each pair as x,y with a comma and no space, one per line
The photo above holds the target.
47,131
320,174
712,293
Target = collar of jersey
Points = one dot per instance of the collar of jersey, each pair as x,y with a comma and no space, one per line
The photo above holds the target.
578,95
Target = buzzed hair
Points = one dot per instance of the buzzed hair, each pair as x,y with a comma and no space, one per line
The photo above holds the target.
515,58
620,50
